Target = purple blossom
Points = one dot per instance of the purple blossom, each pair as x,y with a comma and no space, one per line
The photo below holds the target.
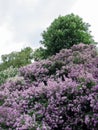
60,93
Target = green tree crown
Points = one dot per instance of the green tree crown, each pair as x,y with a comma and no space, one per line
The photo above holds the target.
64,32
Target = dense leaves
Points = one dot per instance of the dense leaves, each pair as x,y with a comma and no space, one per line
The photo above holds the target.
60,93
40,54
17,59
7,74
64,32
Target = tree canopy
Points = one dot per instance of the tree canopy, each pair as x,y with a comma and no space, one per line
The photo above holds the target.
64,32
17,59
40,54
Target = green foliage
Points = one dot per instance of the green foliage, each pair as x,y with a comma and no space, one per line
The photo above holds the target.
17,59
53,68
39,54
8,73
64,32
1,102
90,84
77,60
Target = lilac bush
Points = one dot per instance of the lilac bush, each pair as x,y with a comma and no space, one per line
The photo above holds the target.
60,93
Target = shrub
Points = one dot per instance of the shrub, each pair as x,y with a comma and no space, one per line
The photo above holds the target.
57,93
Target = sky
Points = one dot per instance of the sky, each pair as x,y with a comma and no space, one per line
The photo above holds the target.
23,21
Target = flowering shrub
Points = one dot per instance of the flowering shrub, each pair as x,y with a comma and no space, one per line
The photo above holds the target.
60,93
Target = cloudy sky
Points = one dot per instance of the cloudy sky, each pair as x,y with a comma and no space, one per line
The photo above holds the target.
23,21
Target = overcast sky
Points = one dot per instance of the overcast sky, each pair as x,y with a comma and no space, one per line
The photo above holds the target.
23,21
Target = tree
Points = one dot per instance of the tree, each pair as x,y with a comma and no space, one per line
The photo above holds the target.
64,32
40,54
17,59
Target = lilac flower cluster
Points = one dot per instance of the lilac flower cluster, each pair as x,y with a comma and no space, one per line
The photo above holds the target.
60,93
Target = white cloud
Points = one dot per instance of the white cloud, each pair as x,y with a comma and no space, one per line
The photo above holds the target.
6,40
87,9
5,34
23,21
